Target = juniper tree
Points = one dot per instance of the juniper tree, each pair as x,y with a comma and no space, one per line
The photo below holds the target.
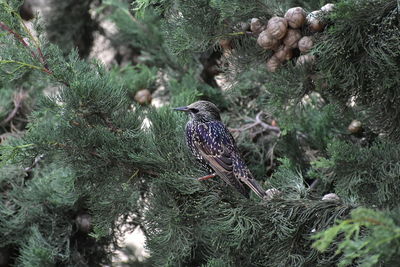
87,150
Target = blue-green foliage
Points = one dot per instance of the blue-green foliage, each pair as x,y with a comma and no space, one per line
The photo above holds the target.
142,32
365,175
288,180
35,215
6,97
37,251
135,78
358,59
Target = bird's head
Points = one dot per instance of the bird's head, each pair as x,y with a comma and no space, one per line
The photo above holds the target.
202,111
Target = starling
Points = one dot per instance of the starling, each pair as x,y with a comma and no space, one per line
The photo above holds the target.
214,147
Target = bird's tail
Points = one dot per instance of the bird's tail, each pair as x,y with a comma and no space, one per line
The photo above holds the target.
256,187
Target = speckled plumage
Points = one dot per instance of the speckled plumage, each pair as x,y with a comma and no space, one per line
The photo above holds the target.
214,147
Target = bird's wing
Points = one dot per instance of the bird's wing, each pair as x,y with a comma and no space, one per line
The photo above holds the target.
243,174
215,145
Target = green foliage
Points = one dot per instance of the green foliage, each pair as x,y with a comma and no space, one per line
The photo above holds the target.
135,78
309,126
56,189
368,237
358,58
365,175
35,214
84,127
216,263
232,232
288,180
142,32
89,150
12,150
37,251
186,24
188,89
6,105
15,58
145,32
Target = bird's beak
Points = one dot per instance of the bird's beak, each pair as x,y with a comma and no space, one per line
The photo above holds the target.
185,109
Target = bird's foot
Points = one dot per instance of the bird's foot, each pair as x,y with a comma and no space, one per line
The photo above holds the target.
207,177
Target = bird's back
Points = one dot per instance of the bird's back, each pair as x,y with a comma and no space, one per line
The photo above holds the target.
214,147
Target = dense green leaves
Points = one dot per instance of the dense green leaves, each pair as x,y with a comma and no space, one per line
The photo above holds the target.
367,175
382,240
358,57
90,150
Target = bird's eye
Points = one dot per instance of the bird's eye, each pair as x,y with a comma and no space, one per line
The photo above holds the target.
194,110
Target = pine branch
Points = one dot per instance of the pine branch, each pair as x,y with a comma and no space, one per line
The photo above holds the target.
19,38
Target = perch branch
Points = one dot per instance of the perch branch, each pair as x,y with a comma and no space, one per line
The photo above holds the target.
207,177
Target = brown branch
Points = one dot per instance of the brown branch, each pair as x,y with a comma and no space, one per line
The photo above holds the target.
266,126
207,177
239,33
41,58
43,61
258,122
109,124
17,36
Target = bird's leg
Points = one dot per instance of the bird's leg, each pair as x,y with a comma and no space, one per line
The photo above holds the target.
207,177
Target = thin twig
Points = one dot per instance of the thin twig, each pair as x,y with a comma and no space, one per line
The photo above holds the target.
207,177
314,184
18,37
239,33
257,121
24,64
41,58
35,162
266,126
245,128
36,41
18,98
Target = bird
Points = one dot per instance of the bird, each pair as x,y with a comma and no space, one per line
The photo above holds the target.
211,143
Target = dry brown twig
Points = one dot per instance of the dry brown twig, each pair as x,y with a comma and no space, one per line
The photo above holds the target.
258,122
265,127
